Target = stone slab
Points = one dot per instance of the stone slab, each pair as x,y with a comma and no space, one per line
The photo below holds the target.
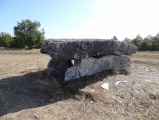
75,49
89,66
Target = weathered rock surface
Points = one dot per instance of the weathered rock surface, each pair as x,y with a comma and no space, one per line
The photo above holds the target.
90,56
89,66
58,68
75,49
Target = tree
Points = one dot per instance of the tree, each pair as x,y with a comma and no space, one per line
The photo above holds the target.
138,37
145,45
155,44
137,40
127,40
150,43
5,39
27,34
40,39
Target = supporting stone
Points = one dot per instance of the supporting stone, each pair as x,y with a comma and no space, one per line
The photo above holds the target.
89,66
58,68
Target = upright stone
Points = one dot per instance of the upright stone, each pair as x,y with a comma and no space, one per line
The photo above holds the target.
58,68
90,66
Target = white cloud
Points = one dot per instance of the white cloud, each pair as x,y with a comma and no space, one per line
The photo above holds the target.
124,18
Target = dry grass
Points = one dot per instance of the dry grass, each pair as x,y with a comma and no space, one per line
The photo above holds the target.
146,57
18,62
132,99
27,92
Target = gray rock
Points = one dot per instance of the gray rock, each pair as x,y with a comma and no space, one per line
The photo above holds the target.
57,69
89,66
75,49
114,38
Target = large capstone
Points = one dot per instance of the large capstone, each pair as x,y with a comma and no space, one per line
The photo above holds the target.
89,66
74,49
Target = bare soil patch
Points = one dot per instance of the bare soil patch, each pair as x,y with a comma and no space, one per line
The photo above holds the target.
28,93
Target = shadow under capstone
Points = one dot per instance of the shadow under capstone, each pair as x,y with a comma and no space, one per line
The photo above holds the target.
37,89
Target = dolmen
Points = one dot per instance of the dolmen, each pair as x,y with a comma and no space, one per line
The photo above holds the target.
75,58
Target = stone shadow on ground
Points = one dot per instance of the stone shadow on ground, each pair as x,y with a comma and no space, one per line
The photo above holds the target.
36,89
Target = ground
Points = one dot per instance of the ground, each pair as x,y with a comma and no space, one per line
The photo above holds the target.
28,93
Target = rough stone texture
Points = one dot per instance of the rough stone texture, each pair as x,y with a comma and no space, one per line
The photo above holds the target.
75,49
90,56
58,69
89,66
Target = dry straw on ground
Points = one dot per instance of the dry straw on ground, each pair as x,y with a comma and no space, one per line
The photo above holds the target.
27,92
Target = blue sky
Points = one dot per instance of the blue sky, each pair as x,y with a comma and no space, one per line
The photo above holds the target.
84,18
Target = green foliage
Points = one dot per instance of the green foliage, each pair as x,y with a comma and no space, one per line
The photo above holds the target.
127,40
27,34
150,43
5,39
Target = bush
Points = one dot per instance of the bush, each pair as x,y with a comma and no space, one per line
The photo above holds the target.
5,39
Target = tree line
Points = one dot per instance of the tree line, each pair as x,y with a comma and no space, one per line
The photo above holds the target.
26,36
149,43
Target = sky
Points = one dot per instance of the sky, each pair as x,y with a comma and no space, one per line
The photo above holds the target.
101,19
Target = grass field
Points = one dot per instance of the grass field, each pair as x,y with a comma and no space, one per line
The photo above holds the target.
28,93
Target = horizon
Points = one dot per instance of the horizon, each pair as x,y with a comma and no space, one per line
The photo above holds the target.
79,19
